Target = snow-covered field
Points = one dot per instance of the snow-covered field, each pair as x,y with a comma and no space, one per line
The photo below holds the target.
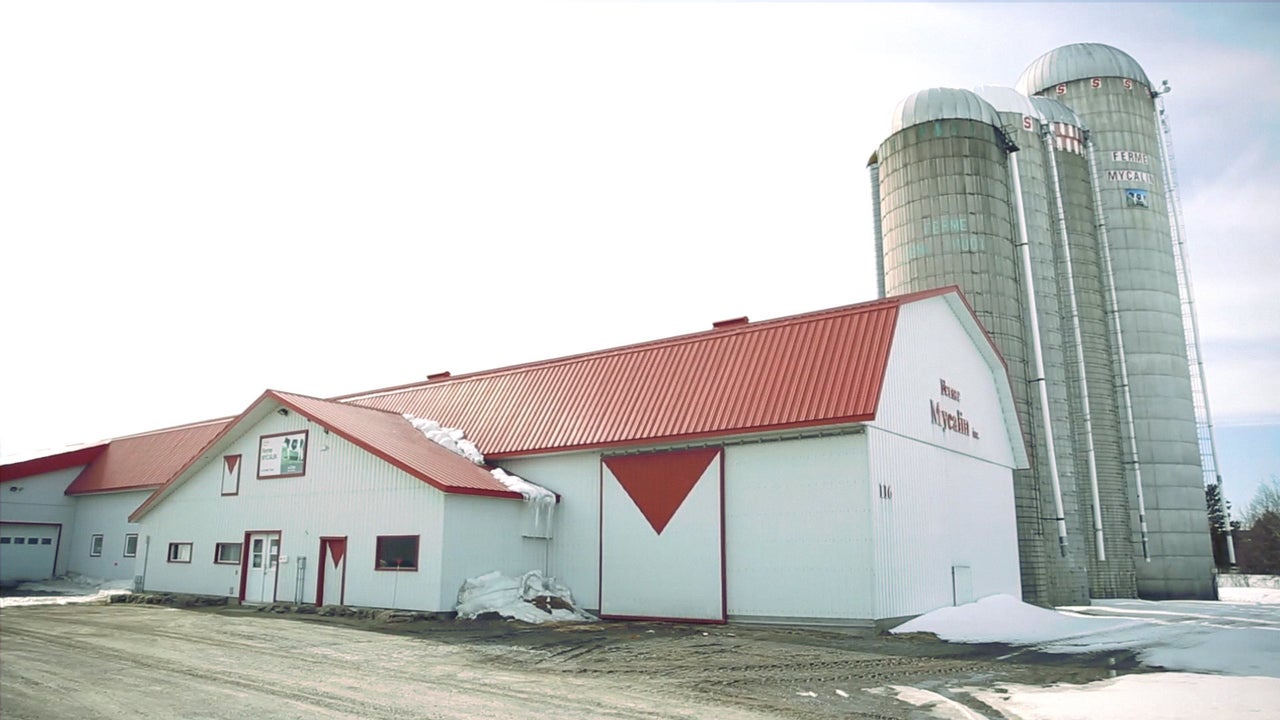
1221,658
66,590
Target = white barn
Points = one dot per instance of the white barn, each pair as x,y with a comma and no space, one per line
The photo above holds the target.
848,466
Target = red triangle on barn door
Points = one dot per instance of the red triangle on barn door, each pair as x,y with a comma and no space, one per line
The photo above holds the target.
231,461
658,483
337,548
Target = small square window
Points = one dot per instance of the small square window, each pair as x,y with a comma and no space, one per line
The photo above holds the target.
397,552
5,540
131,545
227,553
46,541
19,541
95,546
180,552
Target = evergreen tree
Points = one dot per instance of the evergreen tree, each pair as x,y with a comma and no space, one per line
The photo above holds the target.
1219,512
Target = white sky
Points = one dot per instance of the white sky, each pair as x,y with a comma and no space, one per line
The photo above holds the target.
200,201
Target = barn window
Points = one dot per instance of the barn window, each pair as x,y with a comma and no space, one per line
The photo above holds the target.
4,540
131,545
397,552
227,553
179,552
95,546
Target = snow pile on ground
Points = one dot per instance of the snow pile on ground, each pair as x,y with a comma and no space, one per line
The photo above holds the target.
66,590
1159,696
1234,642
530,598
1001,618
1196,636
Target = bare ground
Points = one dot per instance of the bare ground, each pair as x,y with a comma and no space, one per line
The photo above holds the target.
137,661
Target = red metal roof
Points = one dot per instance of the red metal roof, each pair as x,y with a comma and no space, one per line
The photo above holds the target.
821,368
391,437
50,463
146,460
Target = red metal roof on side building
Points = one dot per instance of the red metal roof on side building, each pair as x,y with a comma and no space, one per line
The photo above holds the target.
821,368
52,462
145,460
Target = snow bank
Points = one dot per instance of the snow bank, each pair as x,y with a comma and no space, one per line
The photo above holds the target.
530,598
1167,696
66,590
1196,636
1002,618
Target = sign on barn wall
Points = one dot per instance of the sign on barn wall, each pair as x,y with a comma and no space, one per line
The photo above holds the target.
282,455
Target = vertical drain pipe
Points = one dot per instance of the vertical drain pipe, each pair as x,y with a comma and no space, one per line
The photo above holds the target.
1075,329
873,166
1114,310
1037,352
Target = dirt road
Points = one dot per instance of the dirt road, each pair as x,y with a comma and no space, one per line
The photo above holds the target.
133,661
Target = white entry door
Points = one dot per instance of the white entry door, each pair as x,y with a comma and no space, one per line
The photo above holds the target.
661,543
260,573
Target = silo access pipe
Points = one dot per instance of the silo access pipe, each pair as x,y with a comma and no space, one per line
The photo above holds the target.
1038,352
1098,539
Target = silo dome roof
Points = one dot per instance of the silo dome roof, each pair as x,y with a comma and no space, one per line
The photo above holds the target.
1007,100
1053,111
942,104
1078,62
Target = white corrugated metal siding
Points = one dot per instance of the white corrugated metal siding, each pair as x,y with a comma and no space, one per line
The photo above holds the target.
941,498
797,540
103,514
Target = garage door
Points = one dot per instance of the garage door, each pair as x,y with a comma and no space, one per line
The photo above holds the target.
27,552
661,538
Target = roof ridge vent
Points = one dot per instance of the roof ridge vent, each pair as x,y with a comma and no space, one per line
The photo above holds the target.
439,376
731,322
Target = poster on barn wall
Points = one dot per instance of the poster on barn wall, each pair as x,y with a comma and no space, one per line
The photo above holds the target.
282,455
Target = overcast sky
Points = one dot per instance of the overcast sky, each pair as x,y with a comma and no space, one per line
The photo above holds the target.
201,201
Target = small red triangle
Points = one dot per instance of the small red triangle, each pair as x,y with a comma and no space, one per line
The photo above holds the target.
658,483
337,548
231,461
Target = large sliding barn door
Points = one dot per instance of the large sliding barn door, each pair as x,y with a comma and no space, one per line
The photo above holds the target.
661,536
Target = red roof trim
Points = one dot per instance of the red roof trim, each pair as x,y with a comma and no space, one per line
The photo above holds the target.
51,463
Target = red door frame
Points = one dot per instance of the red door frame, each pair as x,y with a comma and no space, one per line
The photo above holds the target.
244,560
324,563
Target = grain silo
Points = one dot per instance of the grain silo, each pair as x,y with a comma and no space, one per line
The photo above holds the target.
950,212
1113,98
1101,481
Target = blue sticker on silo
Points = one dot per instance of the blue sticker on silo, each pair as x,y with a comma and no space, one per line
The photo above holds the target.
1135,197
